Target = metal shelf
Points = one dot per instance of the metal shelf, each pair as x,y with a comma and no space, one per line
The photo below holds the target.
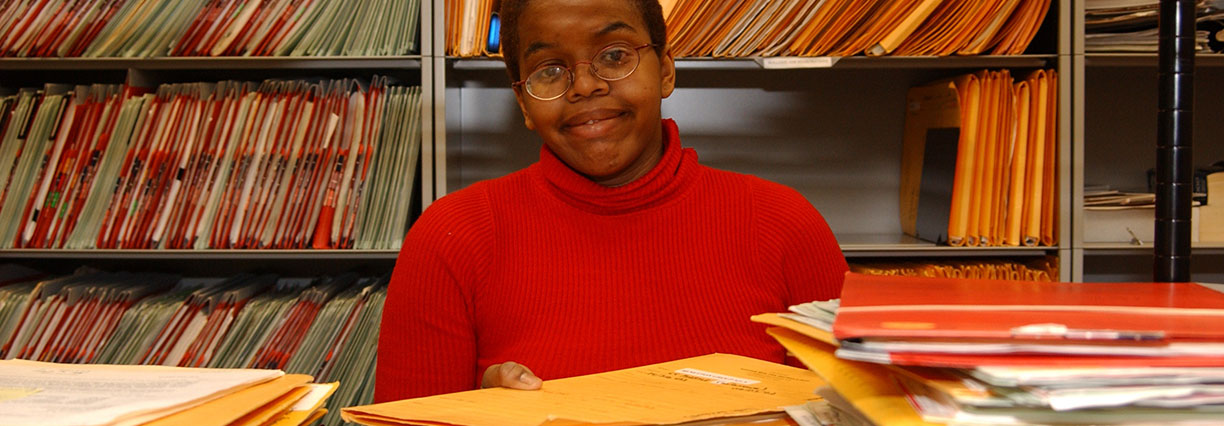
189,63
1146,60
849,62
198,254
900,245
208,263
1127,249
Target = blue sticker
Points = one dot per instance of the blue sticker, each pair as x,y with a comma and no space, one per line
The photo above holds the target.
494,33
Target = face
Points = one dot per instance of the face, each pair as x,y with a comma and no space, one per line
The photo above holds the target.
607,130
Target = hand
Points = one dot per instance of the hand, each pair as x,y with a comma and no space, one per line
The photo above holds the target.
510,375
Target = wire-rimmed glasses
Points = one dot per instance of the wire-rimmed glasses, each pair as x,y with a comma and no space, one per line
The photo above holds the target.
551,81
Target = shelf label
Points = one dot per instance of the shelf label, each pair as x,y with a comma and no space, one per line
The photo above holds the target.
793,62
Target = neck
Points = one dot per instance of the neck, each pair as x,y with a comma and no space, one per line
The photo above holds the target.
644,164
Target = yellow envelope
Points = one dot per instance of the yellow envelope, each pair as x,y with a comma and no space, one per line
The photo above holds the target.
700,388
869,387
796,326
309,408
226,409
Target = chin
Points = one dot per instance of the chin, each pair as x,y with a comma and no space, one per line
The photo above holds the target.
599,173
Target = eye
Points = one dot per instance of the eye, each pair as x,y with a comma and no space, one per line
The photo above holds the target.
614,56
548,74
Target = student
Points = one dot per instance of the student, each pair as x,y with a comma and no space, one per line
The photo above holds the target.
616,249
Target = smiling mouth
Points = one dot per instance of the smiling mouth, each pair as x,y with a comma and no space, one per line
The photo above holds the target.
595,120
595,126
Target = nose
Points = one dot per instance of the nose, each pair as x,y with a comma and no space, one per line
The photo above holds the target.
586,83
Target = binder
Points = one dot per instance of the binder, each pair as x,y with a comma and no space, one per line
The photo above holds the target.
945,104
1037,156
935,308
1049,195
1003,139
981,213
1018,164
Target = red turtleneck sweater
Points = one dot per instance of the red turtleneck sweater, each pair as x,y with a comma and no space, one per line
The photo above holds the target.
548,269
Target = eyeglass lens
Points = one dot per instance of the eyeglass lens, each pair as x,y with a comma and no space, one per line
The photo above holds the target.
612,63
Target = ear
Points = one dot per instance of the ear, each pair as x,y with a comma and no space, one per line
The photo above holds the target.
519,96
667,71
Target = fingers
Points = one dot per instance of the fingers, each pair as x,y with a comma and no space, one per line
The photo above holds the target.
510,375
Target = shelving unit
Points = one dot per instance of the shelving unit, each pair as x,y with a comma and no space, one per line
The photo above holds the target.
150,72
1114,142
295,268
834,134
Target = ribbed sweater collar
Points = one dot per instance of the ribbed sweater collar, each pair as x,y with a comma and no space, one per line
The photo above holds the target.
666,181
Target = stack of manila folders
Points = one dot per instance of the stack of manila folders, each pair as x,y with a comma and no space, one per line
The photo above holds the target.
912,351
52,394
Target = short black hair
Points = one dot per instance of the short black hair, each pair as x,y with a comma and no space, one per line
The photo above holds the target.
652,15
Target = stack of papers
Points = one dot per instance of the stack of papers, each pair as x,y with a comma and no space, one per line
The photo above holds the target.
905,350
49,394
137,29
1113,216
708,28
729,388
325,327
1131,25
292,164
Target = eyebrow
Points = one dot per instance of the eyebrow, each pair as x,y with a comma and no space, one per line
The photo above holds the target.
615,26
611,28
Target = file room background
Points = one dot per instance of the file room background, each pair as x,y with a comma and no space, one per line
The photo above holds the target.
833,133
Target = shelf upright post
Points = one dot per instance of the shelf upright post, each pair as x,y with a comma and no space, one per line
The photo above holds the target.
1070,65
1174,186
432,17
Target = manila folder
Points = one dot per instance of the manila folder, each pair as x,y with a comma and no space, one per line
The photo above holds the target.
705,387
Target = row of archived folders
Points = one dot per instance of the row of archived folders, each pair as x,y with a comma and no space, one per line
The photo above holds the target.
979,160
148,28
325,327
805,27
286,164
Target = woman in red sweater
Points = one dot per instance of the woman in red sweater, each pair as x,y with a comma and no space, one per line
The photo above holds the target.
616,249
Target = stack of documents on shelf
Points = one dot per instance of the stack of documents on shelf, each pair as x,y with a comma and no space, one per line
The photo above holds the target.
65,394
329,164
131,28
732,388
707,28
1113,216
979,160
325,327
1044,268
1132,25
907,350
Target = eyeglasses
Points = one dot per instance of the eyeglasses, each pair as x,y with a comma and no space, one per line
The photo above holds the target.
551,81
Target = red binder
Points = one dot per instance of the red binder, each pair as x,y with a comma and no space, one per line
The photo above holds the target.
890,307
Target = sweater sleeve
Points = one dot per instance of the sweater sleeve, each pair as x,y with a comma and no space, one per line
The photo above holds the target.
812,263
427,342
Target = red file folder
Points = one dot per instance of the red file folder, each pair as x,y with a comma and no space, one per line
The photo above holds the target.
892,307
